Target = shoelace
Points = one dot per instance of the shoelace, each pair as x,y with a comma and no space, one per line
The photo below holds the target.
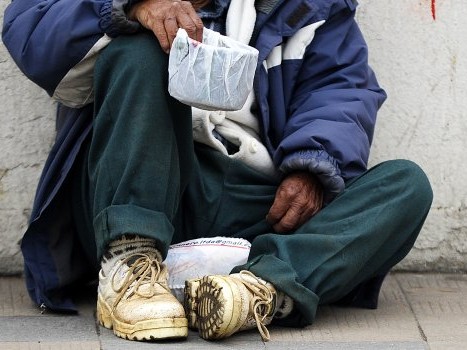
144,270
262,300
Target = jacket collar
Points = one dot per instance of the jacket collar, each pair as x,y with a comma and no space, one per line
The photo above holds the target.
214,9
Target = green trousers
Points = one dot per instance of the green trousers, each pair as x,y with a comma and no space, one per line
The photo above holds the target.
142,173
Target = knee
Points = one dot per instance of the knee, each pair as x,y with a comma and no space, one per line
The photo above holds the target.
134,56
413,181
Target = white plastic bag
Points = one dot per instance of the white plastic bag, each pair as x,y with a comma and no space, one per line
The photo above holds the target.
216,74
203,256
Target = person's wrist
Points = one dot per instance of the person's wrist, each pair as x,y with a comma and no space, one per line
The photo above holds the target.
132,11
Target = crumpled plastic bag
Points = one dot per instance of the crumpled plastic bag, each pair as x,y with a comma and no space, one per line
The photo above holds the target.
216,74
203,256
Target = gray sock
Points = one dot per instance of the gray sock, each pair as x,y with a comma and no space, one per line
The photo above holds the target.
284,305
126,246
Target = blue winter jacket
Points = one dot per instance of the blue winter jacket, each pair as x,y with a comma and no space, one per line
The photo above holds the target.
317,99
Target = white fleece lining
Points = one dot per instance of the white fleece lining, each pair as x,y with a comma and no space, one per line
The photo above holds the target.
297,44
275,57
75,89
239,127
240,21
295,47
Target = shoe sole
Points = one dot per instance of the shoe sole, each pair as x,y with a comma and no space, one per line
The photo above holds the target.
214,305
190,302
164,328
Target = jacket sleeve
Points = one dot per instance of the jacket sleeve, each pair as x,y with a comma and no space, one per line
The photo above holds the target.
333,108
48,38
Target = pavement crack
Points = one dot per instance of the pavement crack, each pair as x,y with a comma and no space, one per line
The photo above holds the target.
98,330
420,329
419,326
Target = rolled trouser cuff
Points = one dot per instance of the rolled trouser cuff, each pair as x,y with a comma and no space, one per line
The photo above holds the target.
284,278
117,220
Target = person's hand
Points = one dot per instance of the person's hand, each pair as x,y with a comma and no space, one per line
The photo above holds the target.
298,198
164,17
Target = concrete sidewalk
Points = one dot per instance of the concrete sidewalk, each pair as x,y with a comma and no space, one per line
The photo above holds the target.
417,311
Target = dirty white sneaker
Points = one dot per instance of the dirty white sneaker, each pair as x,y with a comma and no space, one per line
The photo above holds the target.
219,306
135,301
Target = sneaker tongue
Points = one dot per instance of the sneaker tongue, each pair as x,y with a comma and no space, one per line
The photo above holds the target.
145,262
132,259
132,256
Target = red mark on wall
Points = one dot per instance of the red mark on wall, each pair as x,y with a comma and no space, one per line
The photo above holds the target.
433,9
